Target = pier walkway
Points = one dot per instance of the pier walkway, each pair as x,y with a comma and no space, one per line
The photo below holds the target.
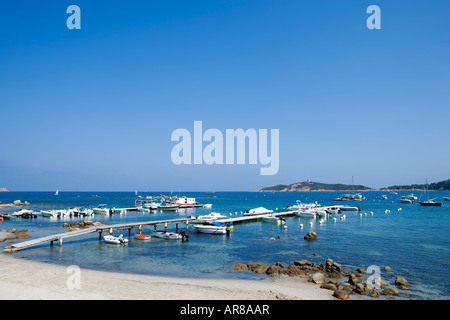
128,226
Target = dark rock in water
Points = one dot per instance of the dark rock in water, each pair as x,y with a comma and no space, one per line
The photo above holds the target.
240,267
360,270
341,294
401,283
390,292
310,236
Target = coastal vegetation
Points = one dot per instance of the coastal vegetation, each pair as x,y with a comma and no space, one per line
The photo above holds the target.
442,185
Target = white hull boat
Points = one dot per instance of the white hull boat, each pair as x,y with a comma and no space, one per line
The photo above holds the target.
115,240
405,200
169,235
301,205
101,209
257,211
210,217
49,213
274,219
447,198
212,229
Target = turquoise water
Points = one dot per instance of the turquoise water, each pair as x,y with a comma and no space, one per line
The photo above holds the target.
414,242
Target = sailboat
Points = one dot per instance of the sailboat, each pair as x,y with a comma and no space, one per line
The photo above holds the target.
429,202
57,192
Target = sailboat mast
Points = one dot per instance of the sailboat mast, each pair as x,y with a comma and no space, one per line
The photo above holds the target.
428,196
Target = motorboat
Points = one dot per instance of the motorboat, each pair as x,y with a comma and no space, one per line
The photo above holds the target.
49,213
347,208
170,235
82,212
257,211
212,229
273,219
101,209
210,217
384,197
409,197
447,198
168,207
301,205
184,202
115,240
342,198
405,200
306,213
119,211
207,206
144,237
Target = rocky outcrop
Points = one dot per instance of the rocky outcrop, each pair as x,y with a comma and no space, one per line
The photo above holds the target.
310,236
401,283
82,224
329,276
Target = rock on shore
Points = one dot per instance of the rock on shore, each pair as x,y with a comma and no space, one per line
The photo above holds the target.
329,276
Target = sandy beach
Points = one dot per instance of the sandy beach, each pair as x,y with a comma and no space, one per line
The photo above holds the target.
24,279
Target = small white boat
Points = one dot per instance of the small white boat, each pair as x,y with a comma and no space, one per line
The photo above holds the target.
405,200
347,208
384,197
447,198
57,192
49,213
101,209
169,235
213,229
208,205
301,205
210,217
306,213
409,196
143,210
257,211
274,219
119,211
115,240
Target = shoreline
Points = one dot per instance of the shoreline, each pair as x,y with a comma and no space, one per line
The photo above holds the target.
18,281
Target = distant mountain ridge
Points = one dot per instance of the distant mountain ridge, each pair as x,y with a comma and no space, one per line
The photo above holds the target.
314,186
442,185
4,190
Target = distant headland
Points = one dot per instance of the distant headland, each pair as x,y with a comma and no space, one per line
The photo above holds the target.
309,185
4,190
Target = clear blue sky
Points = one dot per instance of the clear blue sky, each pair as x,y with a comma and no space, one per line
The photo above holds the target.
94,109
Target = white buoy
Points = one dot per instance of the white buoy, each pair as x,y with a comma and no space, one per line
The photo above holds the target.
334,219
371,212
301,225
285,227
399,209
365,213
311,223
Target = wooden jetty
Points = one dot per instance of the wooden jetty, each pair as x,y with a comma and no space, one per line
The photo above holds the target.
128,226
100,229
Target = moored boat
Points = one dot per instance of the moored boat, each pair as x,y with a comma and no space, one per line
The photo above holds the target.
141,236
115,240
210,217
170,235
273,219
257,211
429,202
101,209
212,229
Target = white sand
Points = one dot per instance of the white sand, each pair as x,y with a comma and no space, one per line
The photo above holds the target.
23,279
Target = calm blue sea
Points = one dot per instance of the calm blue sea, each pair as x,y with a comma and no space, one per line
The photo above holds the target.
414,242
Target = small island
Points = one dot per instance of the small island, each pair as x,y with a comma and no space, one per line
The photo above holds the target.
4,190
309,185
